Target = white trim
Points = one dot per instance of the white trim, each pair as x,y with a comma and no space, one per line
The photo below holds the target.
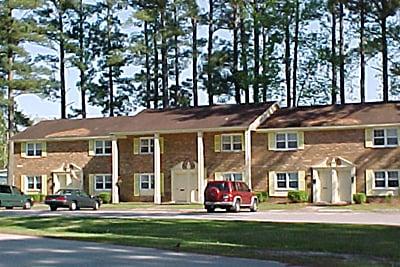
35,150
103,182
37,179
150,177
103,147
115,171
150,140
200,168
231,136
286,148
327,128
247,158
386,179
157,169
385,137
232,176
287,179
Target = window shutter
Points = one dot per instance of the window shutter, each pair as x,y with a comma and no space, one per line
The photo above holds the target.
271,183
243,142
44,185
217,143
369,181
162,145
302,180
398,136
91,148
136,185
368,137
44,149
162,184
271,141
91,184
218,176
136,144
23,150
22,186
300,140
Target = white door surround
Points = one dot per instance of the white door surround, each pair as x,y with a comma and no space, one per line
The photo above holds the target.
67,176
184,182
334,181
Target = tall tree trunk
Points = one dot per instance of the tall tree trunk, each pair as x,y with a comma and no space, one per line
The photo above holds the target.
155,47
209,51
110,69
82,75
385,73
10,106
194,63
164,62
176,60
341,55
362,52
264,65
256,53
296,48
333,57
236,53
147,66
287,64
62,65
245,71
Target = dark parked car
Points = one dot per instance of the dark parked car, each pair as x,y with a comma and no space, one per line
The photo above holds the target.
228,195
11,196
73,199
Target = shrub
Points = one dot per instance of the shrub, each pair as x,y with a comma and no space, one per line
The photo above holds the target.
37,197
105,197
262,196
298,196
389,198
360,198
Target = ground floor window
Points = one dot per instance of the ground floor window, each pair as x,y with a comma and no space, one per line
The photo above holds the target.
386,179
34,182
287,180
232,176
146,181
103,182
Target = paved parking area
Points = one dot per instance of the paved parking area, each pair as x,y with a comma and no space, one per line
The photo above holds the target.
20,251
304,216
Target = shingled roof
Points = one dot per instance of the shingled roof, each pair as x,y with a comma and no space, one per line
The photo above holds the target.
169,120
335,115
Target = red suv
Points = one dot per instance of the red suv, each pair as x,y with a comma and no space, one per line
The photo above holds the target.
229,195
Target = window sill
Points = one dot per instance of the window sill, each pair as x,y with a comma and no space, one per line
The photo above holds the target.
385,146
232,151
102,155
385,188
286,189
32,157
285,149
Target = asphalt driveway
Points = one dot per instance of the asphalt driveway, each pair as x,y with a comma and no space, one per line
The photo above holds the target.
16,250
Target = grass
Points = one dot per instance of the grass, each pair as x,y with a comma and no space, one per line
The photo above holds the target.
305,244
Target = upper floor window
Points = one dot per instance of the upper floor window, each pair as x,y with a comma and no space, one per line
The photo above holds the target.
34,182
386,179
286,141
146,145
232,176
33,149
146,181
103,181
385,137
231,142
287,180
102,147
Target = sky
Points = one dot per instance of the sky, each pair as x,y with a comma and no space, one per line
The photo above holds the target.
38,108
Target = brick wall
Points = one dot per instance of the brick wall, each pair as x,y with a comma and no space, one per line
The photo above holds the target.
348,144
66,152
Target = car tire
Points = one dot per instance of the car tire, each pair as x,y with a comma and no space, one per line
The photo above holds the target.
9,208
73,206
53,208
254,206
27,205
236,206
96,205
210,209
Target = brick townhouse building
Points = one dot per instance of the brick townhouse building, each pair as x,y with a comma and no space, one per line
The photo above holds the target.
168,155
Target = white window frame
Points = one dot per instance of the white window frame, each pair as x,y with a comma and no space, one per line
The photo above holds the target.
386,180
286,134
149,146
232,176
35,150
102,147
385,137
103,176
150,177
37,179
287,181
231,142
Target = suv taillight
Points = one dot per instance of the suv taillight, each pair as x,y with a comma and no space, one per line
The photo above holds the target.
227,197
62,198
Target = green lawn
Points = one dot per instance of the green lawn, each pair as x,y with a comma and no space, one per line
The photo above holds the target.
352,245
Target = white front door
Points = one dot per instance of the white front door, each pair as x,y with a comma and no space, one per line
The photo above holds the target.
184,186
345,185
325,177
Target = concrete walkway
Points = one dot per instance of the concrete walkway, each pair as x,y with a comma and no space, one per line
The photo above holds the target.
20,251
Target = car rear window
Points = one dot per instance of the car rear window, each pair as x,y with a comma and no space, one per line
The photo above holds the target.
5,189
64,192
220,186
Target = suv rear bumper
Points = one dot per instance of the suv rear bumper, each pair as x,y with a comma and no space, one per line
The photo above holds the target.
218,204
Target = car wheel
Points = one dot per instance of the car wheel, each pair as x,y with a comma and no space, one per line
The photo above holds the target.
27,205
53,208
96,205
72,206
210,209
9,208
236,206
254,206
